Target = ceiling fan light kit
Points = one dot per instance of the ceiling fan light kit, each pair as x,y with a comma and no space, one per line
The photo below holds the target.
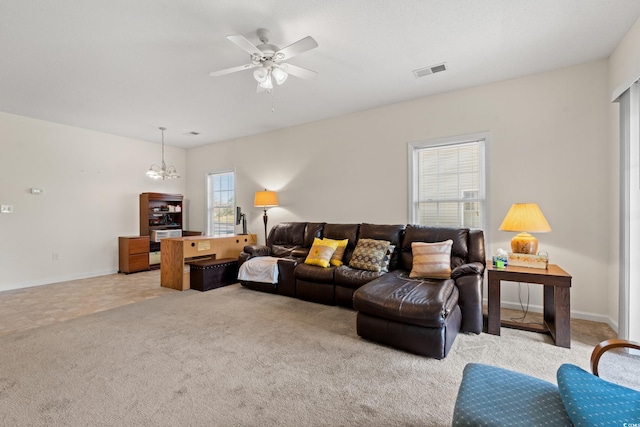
268,60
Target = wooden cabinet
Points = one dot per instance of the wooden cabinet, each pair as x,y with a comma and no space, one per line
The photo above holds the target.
159,211
133,253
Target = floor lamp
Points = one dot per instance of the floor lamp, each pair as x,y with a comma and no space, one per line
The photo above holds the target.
265,199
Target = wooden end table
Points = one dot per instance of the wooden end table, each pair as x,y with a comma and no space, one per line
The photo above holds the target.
556,302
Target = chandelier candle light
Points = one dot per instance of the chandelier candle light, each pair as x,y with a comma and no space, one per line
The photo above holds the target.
265,199
164,171
525,218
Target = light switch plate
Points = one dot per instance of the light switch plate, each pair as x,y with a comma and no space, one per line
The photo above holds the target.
6,208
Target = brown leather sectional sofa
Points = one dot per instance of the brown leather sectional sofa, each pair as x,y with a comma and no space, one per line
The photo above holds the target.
422,316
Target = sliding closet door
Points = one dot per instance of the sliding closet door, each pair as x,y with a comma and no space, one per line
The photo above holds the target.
629,307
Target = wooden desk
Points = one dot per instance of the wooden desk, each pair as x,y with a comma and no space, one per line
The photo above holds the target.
174,273
556,303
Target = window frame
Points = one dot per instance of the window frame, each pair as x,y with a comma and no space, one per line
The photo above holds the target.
413,150
210,227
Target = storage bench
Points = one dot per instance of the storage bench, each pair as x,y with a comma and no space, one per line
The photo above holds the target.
213,273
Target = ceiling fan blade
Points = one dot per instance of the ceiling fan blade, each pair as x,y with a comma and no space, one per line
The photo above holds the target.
294,70
296,48
245,44
232,70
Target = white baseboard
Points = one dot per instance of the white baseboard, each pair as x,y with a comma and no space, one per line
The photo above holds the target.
59,279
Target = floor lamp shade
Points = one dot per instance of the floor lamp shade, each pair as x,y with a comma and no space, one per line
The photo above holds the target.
265,199
525,218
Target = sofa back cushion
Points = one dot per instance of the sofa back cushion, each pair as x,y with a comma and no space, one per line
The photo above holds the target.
476,247
390,233
285,237
311,231
341,232
418,233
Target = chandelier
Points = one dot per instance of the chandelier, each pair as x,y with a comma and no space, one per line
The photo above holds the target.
164,171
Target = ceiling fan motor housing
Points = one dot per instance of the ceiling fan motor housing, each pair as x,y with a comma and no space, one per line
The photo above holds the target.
268,49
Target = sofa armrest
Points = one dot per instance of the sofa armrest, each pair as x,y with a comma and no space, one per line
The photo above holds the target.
469,278
286,278
465,269
242,258
300,254
257,250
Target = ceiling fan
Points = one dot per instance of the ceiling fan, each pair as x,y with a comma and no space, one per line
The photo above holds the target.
269,60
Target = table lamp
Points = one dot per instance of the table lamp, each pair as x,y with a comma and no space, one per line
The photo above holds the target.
265,199
525,218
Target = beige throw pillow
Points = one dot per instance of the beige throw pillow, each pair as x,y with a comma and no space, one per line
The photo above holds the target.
336,258
431,260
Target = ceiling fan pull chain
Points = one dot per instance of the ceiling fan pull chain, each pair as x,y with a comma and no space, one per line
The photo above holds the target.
273,109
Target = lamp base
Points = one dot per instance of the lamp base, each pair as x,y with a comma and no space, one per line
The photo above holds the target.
265,218
524,243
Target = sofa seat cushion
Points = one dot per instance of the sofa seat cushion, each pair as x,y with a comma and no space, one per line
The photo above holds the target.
262,269
354,278
315,274
420,302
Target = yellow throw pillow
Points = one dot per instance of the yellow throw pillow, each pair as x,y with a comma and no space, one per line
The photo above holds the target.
431,260
336,258
320,252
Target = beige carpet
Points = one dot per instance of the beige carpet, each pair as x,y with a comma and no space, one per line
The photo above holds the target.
232,356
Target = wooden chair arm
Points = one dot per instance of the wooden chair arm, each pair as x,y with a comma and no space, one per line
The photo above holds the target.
607,345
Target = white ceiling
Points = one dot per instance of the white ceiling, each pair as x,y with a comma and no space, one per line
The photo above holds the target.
126,67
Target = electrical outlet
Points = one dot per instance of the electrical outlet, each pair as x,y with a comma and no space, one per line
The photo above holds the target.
54,256
6,209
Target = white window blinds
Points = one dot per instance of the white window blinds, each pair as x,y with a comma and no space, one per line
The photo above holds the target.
448,184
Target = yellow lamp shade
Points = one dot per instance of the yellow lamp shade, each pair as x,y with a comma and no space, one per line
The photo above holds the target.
265,199
525,218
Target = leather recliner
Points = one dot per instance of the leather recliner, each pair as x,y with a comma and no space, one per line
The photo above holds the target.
424,316
289,241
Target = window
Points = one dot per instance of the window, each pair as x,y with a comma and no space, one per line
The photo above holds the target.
221,201
447,182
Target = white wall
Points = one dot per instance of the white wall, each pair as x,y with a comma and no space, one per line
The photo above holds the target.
549,144
91,183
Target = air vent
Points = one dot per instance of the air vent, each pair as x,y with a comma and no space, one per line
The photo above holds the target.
192,133
421,72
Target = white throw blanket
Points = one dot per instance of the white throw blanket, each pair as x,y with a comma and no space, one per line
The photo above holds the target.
259,269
